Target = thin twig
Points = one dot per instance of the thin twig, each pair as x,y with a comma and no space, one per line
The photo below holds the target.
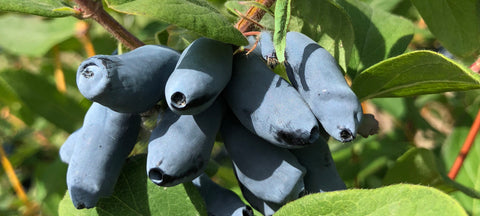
81,32
58,71
94,9
253,13
467,145
7,166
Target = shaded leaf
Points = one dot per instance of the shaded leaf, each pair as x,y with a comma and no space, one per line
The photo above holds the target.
378,35
401,199
419,166
360,162
47,8
386,5
415,73
327,23
135,194
42,97
195,15
455,23
49,185
36,35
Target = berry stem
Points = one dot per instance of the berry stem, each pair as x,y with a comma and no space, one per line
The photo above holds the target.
94,9
465,148
467,145
253,13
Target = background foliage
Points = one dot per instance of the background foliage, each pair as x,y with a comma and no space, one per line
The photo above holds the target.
407,60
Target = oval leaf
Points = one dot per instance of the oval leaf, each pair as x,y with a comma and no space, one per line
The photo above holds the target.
378,35
455,23
43,98
415,73
195,15
336,32
401,199
136,195
419,166
36,35
282,18
47,8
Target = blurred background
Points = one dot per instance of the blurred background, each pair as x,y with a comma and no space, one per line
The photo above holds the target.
40,106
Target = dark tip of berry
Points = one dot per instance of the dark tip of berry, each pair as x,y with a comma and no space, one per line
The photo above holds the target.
178,100
346,135
80,206
156,175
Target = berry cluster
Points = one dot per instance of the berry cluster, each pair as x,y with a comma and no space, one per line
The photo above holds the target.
271,129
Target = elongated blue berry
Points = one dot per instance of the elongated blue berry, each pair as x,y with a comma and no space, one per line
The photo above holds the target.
180,146
316,75
321,175
264,207
202,72
219,200
271,173
66,150
269,106
104,142
132,83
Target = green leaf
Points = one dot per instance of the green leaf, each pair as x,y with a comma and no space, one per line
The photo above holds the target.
401,199
419,166
455,23
415,73
195,15
386,5
360,162
49,185
42,97
242,5
47,8
36,35
416,166
8,96
136,195
378,35
282,18
327,23
469,174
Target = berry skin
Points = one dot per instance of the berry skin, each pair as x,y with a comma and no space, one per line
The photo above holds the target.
321,175
318,78
265,207
269,106
131,83
202,72
66,150
271,173
104,142
180,146
219,200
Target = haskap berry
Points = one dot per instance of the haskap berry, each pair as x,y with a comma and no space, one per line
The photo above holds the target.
269,127
318,78
132,82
